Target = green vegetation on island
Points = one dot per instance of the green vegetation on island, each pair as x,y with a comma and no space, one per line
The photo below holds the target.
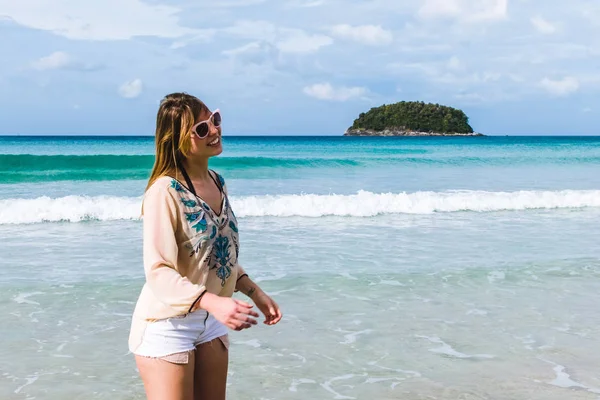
412,118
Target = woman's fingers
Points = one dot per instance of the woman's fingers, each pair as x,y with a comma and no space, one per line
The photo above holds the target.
277,316
242,317
274,314
243,303
246,308
241,320
239,325
248,312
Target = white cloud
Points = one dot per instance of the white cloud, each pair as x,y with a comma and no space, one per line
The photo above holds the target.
56,60
250,48
440,8
97,20
62,60
561,87
305,3
253,29
286,40
373,35
325,91
202,36
301,42
233,3
542,25
455,64
258,53
131,89
465,10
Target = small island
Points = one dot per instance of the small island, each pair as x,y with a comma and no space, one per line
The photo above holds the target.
412,118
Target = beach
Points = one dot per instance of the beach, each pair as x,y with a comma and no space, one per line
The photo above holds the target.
406,268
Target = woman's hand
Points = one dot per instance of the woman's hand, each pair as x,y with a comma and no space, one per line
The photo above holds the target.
268,307
233,313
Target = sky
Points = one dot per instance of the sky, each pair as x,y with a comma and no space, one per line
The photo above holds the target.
298,67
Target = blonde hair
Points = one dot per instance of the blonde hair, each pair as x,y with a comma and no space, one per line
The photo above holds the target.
176,116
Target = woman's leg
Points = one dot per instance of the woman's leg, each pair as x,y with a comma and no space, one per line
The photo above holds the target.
210,375
164,380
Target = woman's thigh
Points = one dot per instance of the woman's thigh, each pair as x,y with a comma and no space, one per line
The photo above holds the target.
210,376
164,380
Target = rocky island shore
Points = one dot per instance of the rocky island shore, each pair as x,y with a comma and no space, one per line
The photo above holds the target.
402,132
413,118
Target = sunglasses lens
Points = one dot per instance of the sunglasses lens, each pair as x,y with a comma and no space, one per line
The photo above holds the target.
217,119
202,130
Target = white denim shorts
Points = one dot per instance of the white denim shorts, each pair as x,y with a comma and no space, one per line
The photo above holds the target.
173,339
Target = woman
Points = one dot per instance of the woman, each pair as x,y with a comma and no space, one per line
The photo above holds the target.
179,326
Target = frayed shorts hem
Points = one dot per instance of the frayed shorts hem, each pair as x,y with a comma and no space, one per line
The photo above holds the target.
174,339
183,357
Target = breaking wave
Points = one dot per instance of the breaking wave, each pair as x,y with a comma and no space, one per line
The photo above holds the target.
361,204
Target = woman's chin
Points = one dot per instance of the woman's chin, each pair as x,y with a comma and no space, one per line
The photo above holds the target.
215,151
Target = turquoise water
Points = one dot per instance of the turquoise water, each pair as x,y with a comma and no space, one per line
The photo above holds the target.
417,268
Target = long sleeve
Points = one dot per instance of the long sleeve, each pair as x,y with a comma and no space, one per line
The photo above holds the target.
161,251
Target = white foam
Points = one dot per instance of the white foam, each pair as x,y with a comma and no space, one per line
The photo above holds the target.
447,350
563,379
23,298
348,276
351,337
391,283
297,382
274,277
402,371
252,343
278,292
477,311
377,380
301,358
28,382
366,204
70,208
327,386
495,276
361,204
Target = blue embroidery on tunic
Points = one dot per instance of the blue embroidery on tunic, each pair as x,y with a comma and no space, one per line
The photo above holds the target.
221,247
189,203
191,217
222,255
200,226
195,248
206,207
221,180
176,185
233,227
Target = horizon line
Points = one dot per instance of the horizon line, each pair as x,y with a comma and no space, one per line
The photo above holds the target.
280,135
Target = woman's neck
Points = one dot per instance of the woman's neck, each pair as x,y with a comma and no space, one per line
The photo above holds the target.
196,169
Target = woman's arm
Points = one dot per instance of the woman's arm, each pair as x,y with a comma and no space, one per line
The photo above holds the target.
244,284
248,287
160,252
264,302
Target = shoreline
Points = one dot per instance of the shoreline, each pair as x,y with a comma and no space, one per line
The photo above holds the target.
393,132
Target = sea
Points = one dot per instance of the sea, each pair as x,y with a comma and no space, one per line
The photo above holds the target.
406,268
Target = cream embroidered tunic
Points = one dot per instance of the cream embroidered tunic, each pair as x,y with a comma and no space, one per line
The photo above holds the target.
188,249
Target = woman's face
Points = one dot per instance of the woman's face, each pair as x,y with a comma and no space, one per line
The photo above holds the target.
210,145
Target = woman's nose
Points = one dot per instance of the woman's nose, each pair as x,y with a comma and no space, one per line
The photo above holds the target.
212,129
